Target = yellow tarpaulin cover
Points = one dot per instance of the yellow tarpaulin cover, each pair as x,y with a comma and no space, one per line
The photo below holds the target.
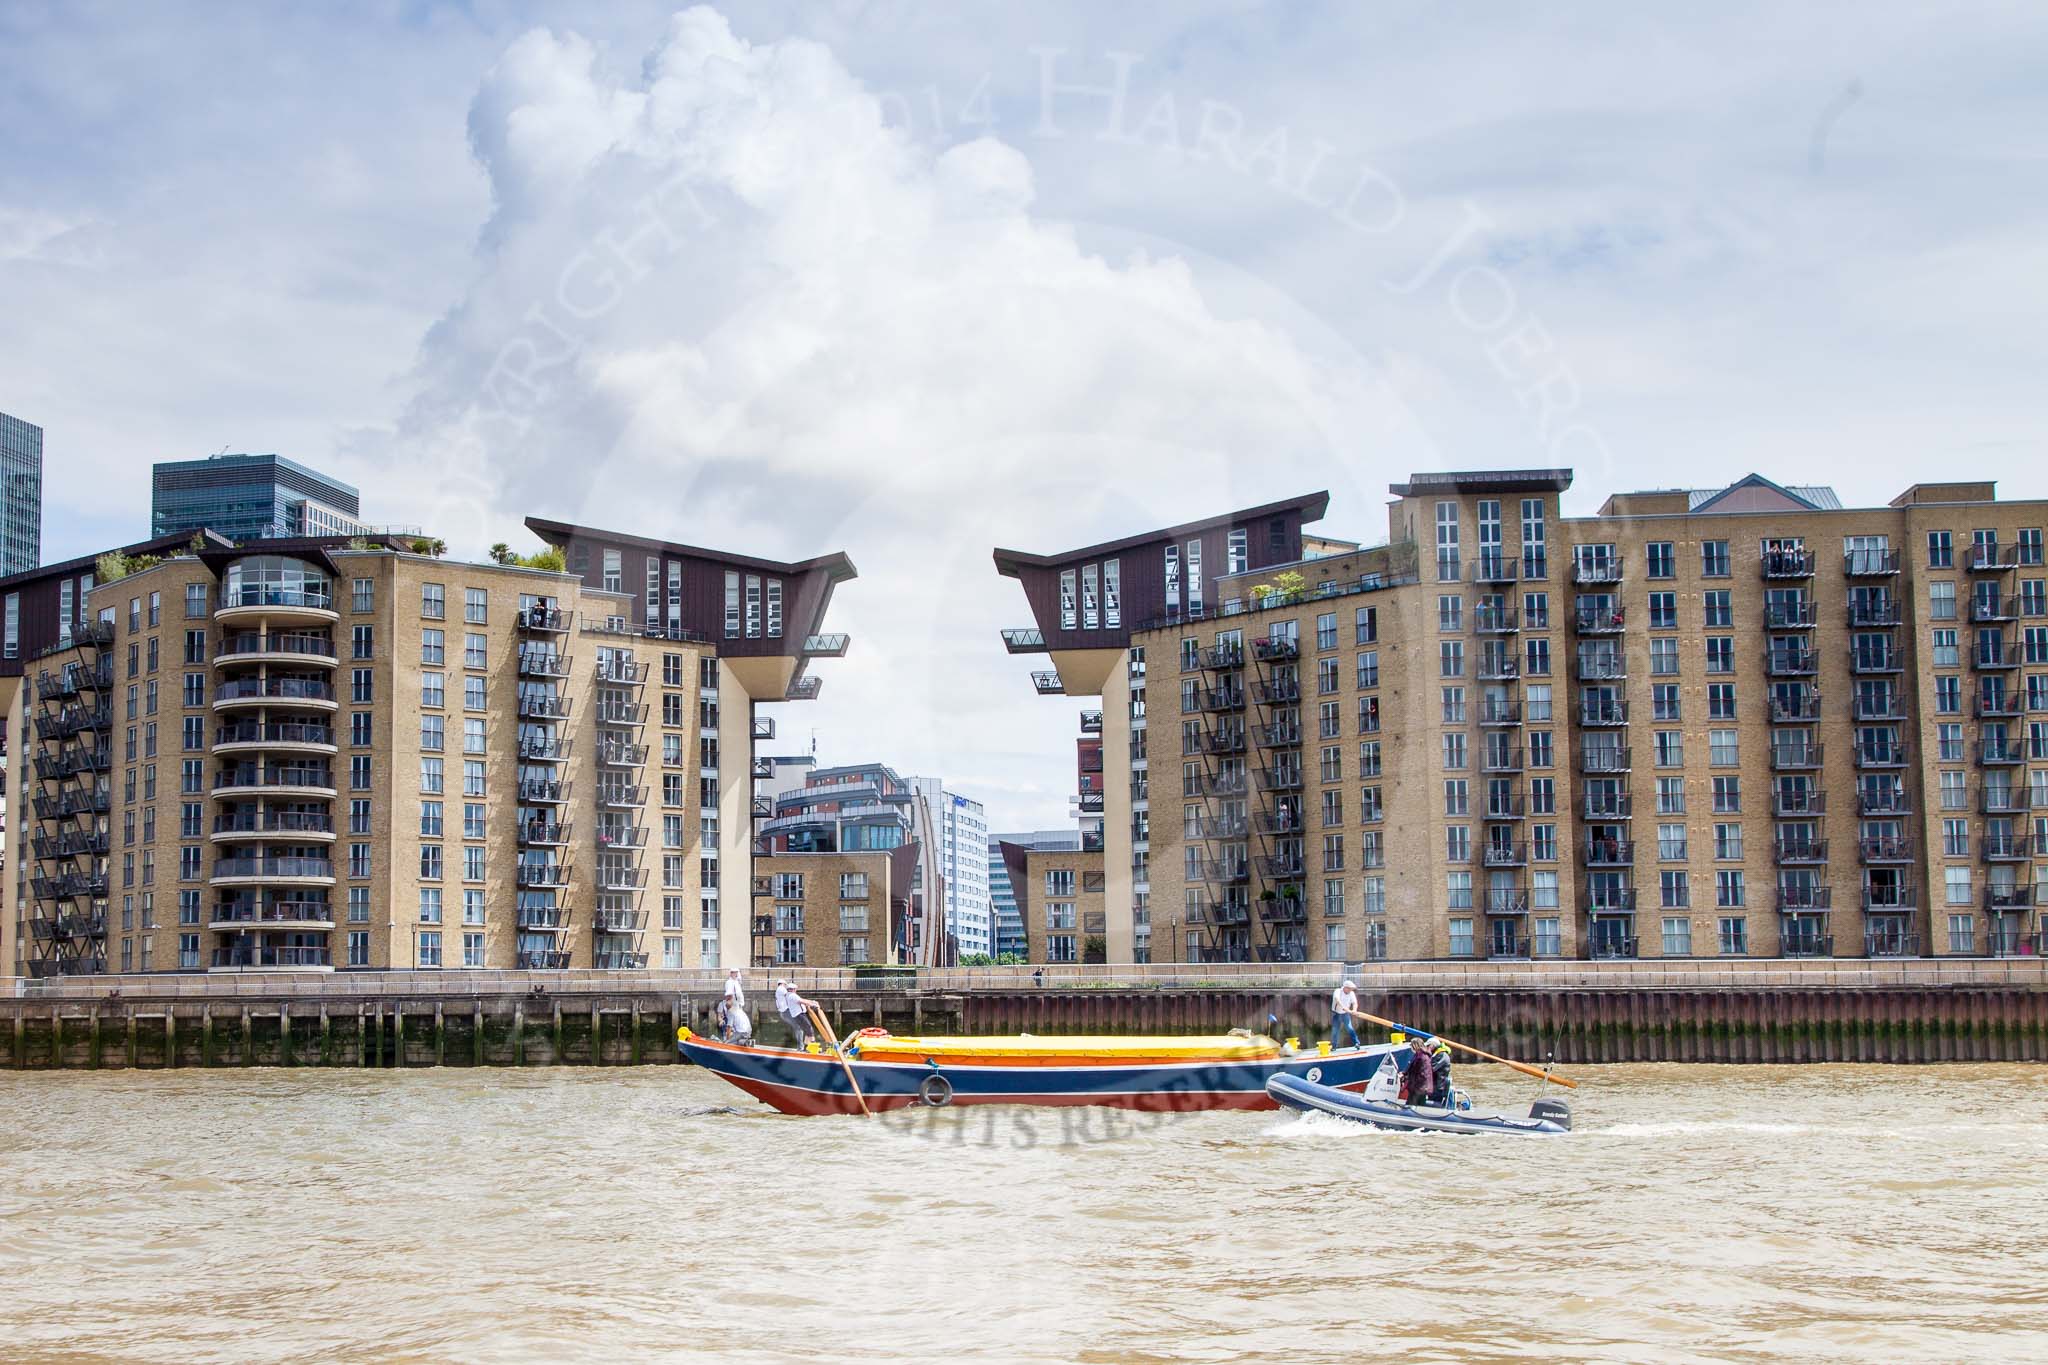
1252,1048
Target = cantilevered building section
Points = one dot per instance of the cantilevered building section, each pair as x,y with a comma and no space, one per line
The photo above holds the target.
1091,607
763,622
1744,721
316,754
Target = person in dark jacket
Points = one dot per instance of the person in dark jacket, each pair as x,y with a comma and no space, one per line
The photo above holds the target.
1440,1074
1415,1082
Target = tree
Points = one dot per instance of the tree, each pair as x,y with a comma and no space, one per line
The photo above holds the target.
551,559
976,960
430,545
1009,959
197,544
501,553
115,565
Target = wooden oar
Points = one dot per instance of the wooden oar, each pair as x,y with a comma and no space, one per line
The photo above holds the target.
818,1016
1522,1067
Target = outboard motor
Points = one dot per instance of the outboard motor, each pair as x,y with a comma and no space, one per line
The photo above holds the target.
1556,1111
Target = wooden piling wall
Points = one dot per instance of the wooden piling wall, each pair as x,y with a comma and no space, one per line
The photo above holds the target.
1571,1026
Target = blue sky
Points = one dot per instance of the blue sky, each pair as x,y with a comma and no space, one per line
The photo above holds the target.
914,280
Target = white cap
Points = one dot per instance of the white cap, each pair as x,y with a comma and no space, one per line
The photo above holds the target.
1349,986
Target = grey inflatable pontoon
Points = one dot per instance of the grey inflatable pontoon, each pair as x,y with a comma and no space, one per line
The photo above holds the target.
1307,1097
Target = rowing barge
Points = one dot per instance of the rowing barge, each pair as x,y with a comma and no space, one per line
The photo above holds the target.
1383,1111
1150,1073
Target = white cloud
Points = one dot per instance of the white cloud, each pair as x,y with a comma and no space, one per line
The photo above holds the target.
744,312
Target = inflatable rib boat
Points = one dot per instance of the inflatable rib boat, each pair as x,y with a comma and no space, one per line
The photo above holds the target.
1381,1111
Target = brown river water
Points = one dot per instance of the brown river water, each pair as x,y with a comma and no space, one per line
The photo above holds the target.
1698,1213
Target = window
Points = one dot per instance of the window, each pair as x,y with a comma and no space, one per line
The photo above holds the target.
1941,550
1447,565
1956,882
430,948
1961,934
430,905
1671,842
433,603
358,865
1450,612
1727,796
430,862
195,601
1326,630
1670,748
1663,656
433,646
472,777
430,775
1720,701
1366,626
1717,609
1662,562
1714,561
1720,654
1941,600
1728,842
472,950
1721,748
473,735
1663,611
432,689
1677,936
1728,887
1451,658
431,728
363,596
1734,936
476,605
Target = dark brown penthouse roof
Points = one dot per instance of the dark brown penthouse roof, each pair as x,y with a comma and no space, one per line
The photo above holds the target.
1307,506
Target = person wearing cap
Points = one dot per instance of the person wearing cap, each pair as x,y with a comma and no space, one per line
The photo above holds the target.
1440,1073
1343,1003
794,1010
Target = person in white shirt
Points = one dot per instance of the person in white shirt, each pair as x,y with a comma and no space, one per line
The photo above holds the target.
735,993
1343,1002
794,1010
738,1028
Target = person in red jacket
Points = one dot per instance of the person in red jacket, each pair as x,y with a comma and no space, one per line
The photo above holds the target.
1415,1082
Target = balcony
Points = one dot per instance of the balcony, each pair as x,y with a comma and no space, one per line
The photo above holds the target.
1600,620
1789,615
1867,661
1024,640
2006,848
1046,682
1495,620
265,957
1795,710
539,874
1091,724
1797,899
1874,614
543,663
542,621
1494,711
1270,650
1899,850
1870,563
2000,752
1279,692
1600,668
1806,943
66,804
244,871
619,797
1221,699
2006,800
72,760
617,835
72,843
543,833
1791,663
1223,871
1609,852
313,651
2003,942
542,960
1604,759
1890,939
249,824
1591,571
1216,827
1991,559
1504,854
1894,897
1886,707
259,602
536,791
618,962
1281,866
1787,564
70,886
1283,910
621,713
1799,852
1495,569
1603,713
1610,947
537,707
283,913
1998,653
2000,705
1220,784
804,689
1279,779
620,877
252,782
831,645
1275,737
621,755
73,720
277,735
1984,609
1498,668
1872,757
1799,802
1089,803
1603,807
270,691
2006,899
1221,658
1494,760
1796,757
